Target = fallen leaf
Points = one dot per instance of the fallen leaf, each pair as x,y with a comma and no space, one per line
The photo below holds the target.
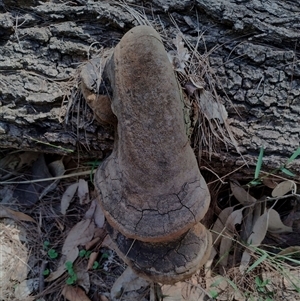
68,197
258,234
181,56
245,261
56,169
210,108
241,194
83,192
91,211
270,182
83,278
26,287
92,243
275,224
226,242
259,230
73,293
99,216
289,251
15,215
225,246
108,243
234,218
283,188
128,281
80,234
92,259
219,225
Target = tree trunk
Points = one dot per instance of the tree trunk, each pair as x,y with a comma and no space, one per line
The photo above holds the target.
251,47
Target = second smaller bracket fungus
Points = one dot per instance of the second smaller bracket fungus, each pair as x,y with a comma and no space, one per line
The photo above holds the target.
167,262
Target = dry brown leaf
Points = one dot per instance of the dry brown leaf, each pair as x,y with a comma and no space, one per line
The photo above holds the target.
83,278
270,182
208,267
210,108
92,259
91,211
73,293
219,225
25,288
80,234
99,216
234,218
241,194
259,230
225,246
289,251
83,192
283,188
16,161
128,281
68,197
108,243
226,242
15,215
71,256
258,234
181,56
275,224
57,168
244,261
92,243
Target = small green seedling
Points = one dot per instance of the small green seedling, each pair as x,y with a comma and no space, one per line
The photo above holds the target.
52,254
72,275
85,254
46,244
261,284
96,265
46,272
213,294
284,168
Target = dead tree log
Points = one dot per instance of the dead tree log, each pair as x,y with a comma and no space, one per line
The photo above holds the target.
251,47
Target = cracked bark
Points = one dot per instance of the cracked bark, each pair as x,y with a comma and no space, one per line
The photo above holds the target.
253,50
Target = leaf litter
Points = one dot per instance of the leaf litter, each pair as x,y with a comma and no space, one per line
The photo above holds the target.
227,222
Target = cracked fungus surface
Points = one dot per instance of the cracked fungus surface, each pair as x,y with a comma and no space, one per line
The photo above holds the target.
167,261
150,187
139,213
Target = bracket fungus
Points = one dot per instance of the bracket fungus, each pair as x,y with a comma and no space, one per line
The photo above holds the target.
150,187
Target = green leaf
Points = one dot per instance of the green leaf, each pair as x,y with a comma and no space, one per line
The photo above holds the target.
95,265
82,253
46,272
52,254
88,254
46,244
287,172
213,294
294,155
70,281
259,163
69,265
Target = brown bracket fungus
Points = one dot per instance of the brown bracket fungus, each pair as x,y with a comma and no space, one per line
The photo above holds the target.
150,187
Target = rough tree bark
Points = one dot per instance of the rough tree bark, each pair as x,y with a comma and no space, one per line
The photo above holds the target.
252,47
